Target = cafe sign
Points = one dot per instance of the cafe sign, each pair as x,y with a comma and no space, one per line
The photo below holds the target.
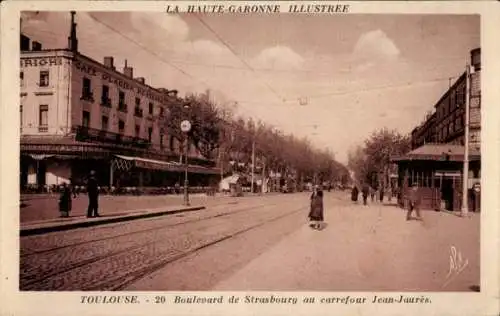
130,84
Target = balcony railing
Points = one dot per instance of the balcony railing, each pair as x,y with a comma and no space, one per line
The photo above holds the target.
138,112
122,107
106,102
43,128
91,134
88,96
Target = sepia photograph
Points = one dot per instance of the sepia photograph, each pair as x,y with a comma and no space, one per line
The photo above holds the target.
271,157
175,152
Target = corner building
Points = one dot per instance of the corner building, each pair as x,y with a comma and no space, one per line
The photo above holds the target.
438,146
77,115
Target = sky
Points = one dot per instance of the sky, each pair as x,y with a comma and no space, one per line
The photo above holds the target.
332,79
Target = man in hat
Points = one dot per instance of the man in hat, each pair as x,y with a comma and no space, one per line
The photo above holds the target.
93,192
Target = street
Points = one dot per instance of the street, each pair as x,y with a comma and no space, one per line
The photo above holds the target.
261,243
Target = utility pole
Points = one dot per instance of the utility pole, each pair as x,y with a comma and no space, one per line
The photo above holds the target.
253,163
465,177
263,176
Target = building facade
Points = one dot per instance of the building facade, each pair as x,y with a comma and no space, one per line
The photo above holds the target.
77,115
436,161
446,125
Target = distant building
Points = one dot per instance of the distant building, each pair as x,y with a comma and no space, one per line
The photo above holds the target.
436,160
446,124
77,115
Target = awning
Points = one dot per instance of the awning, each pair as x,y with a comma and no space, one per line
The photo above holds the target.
127,162
40,156
438,152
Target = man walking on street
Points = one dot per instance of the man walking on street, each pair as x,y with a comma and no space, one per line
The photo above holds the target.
365,191
414,202
93,192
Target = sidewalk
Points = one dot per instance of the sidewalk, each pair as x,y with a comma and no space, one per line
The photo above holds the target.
66,223
41,209
369,248
41,215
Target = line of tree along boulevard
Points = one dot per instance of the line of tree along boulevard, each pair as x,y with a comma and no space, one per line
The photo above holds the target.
230,141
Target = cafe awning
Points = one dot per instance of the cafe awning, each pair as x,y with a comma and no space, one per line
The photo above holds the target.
124,163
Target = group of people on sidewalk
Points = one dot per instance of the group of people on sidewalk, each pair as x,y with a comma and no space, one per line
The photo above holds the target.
68,193
414,198
367,190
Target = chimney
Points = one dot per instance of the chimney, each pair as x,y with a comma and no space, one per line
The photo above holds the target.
141,80
36,46
108,62
25,42
475,59
72,40
163,90
172,93
128,71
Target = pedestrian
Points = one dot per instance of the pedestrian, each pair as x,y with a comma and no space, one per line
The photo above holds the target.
372,193
365,191
381,194
354,194
93,192
413,202
65,202
316,213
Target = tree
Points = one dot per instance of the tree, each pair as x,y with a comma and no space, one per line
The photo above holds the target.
372,162
205,122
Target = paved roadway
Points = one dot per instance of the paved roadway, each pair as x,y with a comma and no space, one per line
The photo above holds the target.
260,243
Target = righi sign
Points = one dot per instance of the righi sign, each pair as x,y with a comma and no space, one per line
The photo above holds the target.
41,61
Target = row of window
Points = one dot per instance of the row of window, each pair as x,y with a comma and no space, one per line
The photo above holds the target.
453,127
43,117
455,99
87,94
442,132
44,78
121,126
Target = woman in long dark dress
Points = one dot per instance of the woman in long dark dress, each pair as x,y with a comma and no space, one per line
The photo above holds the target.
316,213
354,194
65,203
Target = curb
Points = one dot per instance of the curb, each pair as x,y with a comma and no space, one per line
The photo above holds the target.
102,221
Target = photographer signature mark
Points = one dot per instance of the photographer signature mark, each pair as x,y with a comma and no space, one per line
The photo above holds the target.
457,265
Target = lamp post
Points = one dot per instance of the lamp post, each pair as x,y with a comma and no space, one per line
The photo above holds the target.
185,128
465,206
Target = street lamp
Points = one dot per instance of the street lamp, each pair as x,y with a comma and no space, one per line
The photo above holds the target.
185,128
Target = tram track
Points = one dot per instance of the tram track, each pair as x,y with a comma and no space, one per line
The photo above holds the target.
162,247
110,286
27,253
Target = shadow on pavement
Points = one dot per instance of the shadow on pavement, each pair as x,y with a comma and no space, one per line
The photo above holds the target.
322,226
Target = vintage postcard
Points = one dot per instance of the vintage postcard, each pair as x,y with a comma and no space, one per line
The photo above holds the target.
253,158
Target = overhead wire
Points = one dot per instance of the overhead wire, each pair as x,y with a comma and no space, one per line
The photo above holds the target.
350,92
283,101
150,51
236,54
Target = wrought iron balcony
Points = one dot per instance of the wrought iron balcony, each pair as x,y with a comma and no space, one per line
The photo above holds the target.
106,102
122,107
138,112
95,135
87,96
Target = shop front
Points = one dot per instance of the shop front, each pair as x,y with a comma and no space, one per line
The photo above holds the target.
437,170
